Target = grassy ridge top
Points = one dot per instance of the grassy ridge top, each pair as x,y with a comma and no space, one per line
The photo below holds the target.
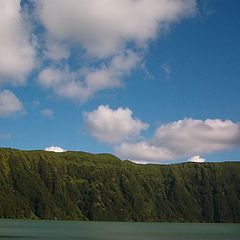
80,185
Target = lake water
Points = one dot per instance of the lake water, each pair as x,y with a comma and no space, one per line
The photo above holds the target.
24,229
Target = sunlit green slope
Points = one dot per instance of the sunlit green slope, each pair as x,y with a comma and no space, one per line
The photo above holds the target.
78,185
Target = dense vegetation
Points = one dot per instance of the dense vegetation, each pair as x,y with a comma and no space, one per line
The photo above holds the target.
78,185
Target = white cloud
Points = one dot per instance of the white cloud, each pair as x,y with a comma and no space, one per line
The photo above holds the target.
113,126
48,113
16,52
112,35
109,36
84,83
196,159
172,141
190,136
143,152
103,28
54,149
9,104
183,138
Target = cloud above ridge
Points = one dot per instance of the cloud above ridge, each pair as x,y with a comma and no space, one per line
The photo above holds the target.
113,126
171,141
183,138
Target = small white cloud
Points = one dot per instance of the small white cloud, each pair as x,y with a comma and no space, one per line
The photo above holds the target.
196,159
48,113
9,104
54,149
113,126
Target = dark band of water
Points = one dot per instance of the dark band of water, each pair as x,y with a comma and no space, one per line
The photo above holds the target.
24,229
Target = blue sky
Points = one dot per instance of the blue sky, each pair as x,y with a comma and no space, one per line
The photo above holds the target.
152,82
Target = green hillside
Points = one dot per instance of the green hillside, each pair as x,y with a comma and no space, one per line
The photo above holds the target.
78,185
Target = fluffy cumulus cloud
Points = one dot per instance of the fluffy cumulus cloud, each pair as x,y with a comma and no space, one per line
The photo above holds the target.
55,149
143,152
16,52
112,34
103,28
196,136
113,126
183,138
196,159
172,141
9,104
84,83
106,39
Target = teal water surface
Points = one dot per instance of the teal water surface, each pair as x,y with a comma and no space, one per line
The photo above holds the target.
25,229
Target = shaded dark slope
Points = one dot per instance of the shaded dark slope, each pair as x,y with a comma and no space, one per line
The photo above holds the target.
77,185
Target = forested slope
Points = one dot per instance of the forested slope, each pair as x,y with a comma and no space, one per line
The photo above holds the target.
84,186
